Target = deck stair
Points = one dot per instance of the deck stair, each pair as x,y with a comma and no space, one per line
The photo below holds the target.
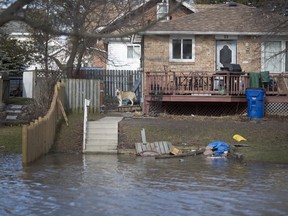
102,135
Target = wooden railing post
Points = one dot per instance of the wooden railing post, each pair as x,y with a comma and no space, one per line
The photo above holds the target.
174,84
148,83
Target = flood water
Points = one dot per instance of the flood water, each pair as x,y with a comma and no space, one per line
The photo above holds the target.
63,184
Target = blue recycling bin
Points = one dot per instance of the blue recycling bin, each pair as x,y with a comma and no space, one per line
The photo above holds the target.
255,102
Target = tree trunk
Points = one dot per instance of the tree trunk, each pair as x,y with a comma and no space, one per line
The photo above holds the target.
79,61
69,67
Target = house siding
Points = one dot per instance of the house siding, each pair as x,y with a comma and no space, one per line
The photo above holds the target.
117,53
204,53
156,54
249,53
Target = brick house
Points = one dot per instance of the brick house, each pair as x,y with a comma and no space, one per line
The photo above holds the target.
208,40
243,29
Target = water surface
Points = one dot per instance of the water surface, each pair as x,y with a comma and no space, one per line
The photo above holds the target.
63,184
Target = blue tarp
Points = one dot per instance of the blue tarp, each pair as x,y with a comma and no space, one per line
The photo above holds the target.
219,147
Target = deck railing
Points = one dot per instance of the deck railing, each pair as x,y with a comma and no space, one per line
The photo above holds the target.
192,83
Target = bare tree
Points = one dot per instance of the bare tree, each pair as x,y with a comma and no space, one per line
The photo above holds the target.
81,21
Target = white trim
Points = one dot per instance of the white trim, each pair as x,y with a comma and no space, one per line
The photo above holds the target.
19,34
232,44
210,33
191,37
188,6
226,37
124,39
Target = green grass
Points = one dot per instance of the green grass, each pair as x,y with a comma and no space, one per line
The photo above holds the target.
11,139
18,100
11,136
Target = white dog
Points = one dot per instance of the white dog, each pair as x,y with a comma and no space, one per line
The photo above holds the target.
125,95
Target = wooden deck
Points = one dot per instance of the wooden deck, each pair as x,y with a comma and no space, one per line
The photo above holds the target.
209,87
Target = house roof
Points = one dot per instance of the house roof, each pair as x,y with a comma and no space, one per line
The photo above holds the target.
223,19
134,19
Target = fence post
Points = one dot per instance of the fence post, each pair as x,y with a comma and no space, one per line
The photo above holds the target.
1,93
24,144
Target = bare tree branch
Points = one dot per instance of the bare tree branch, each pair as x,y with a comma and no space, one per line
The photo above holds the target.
9,14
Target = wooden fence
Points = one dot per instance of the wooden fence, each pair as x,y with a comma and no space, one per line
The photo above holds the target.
77,90
126,80
39,136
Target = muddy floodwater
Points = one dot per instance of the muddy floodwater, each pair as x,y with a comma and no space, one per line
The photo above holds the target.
66,184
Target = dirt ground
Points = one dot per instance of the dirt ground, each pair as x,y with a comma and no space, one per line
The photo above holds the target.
267,138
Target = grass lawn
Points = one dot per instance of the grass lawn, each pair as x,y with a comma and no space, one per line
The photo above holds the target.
11,139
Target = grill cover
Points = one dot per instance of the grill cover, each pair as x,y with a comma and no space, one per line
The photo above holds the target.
232,68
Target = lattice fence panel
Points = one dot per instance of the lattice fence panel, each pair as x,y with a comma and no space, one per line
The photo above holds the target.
276,108
204,109
57,75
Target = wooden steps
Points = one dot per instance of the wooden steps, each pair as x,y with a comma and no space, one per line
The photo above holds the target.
102,135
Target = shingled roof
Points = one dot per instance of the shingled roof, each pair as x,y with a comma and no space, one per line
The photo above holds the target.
223,19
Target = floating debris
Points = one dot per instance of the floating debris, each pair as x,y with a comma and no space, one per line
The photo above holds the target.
239,138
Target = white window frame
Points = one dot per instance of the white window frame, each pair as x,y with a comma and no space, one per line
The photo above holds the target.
191,37
135,55
283,57
163,15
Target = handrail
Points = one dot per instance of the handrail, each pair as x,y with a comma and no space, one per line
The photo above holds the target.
86,105
195,83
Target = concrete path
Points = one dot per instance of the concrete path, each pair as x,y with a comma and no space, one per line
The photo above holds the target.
102,135
13,112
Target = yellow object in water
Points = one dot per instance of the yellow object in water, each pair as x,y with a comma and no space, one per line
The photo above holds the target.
239,138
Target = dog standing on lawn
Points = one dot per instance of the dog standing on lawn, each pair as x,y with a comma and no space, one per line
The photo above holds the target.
121,95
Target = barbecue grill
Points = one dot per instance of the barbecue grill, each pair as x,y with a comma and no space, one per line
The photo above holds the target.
231,68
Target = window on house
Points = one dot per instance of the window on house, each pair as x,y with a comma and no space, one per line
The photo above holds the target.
133,52
181,49
162,10
275,57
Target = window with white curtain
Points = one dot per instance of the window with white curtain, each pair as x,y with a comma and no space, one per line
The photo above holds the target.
275,57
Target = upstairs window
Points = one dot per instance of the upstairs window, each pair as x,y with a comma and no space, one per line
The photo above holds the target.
133,52
162,10
182,49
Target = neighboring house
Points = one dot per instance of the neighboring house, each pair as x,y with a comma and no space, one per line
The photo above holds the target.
126,53
57,49
214,37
